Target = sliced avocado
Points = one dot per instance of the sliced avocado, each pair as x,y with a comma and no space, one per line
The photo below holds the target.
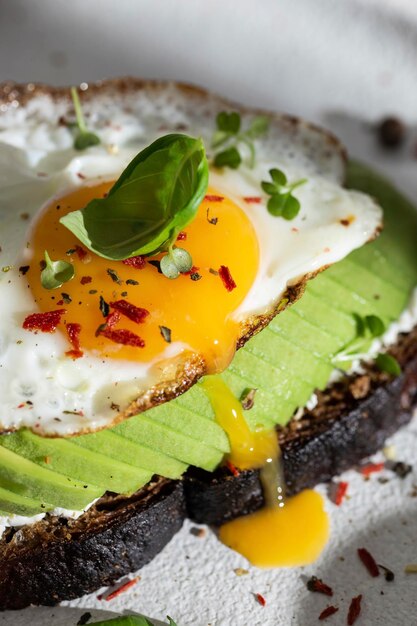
30,480
145,431
114,446
63,457
13,504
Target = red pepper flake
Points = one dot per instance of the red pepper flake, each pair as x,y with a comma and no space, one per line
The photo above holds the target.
252,199
131,311
138,262
86,280
193,270
328,611
213,198
339,492
112,319
371,468
318,586
232,468
81,253
182,236
81,175
124,337
60,303
73,331
226,277
369,562
45,322
260,599
354,610
21,405
121,589
295,230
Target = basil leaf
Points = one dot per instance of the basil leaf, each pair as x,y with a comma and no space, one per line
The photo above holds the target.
156,196
56,273
387,363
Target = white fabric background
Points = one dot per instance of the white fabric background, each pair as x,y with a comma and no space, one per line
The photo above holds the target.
343,63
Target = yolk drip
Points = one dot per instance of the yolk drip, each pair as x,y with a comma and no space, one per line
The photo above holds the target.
286,532
198,312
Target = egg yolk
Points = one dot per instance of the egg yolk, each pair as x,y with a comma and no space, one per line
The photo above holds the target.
286,532
196,308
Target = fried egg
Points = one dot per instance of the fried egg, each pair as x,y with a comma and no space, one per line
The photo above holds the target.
244,258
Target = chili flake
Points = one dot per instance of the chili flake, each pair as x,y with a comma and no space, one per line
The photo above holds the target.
318,586
86,280
121,589
260,599
340,490
182,236
371,468
213,198
45,322
252,199
226,277
138,262
354,610
232,469
328,611
369,562
73,331
135,313
81,253
123,336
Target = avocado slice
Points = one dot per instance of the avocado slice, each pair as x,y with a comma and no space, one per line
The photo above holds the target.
13,504
63,457
25,478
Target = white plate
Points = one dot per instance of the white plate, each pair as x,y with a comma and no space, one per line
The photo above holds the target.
344,64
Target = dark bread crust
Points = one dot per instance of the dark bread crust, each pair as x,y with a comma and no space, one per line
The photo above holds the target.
59,559
352,420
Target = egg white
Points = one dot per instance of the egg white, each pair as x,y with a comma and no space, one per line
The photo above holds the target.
37,162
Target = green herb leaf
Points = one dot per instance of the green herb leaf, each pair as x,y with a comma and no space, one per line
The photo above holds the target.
228,158
228,122
171,621
56,273
176,262
84,138
387,363
375,325
229,134
282,203
156,196
126,620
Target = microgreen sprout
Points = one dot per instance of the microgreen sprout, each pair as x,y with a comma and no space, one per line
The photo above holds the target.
84,138
368,328
177,261
282,203
230,138
56,273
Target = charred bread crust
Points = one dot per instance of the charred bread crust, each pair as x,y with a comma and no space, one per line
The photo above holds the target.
58,559
351,421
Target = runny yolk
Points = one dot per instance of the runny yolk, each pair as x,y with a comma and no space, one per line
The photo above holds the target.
197,309
286,532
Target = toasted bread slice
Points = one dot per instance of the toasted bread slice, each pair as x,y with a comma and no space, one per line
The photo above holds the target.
58,559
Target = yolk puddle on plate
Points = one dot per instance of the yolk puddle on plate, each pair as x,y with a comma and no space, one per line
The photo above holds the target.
198,312
286,532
